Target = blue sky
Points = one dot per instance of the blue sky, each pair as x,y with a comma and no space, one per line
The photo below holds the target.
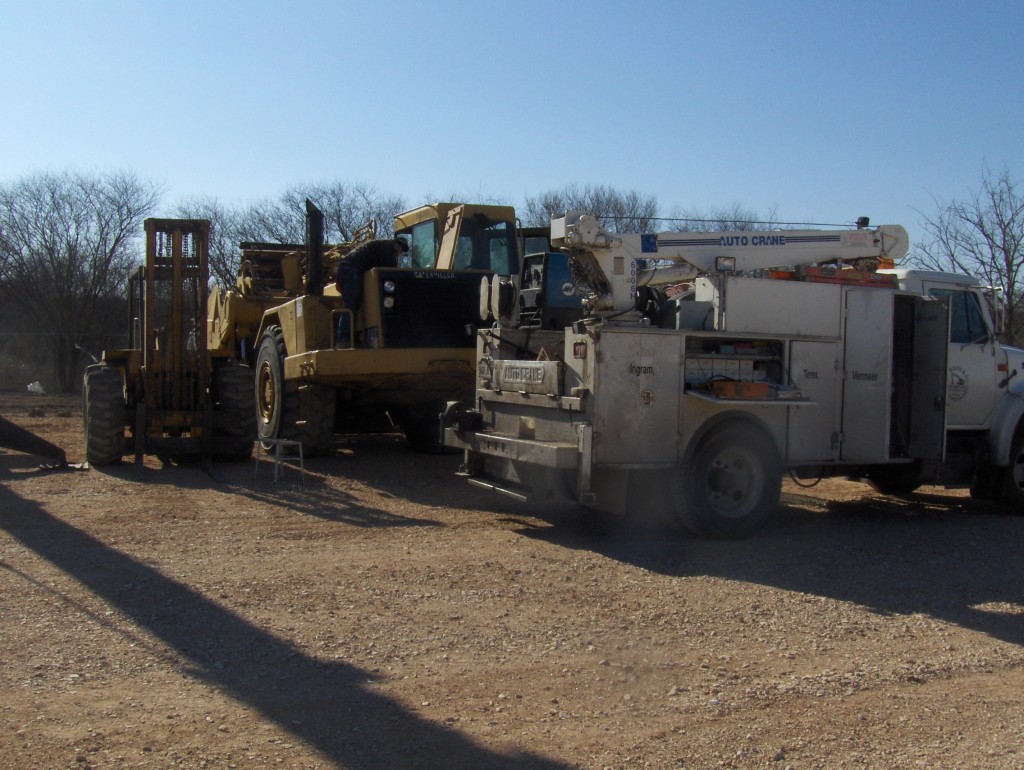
822,111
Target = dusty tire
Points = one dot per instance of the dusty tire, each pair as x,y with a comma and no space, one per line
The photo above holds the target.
286,409
895,480
1013,479
234,411
314,425
273,397
103,414
731,486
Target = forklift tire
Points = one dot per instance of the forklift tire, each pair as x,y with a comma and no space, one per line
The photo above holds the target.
104,414
234,411
1013,479
731,486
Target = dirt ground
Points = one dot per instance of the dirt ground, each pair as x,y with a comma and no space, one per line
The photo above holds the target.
385,614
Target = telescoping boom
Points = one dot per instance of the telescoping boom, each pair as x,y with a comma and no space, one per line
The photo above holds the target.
606,262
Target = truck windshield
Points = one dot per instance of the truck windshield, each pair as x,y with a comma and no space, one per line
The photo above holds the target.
485,244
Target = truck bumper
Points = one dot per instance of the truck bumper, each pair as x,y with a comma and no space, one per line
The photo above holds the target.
549,454
368,363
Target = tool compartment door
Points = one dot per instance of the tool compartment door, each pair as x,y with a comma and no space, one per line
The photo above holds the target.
638,381
813,429
867,364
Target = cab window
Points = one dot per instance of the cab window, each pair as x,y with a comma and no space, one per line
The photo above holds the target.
487,245
422,240
967,321
536,244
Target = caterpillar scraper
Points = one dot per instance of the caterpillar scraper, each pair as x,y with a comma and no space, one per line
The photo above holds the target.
412,348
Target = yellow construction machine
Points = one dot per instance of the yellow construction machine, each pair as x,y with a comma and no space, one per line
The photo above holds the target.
413,341
166,394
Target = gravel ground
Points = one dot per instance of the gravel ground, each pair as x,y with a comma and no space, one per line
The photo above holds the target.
385,614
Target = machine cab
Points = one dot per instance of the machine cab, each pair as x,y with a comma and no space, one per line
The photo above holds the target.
453,236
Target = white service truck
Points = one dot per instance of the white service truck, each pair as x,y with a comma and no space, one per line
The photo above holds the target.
790,350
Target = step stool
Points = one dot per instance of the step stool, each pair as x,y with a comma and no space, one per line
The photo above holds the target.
274,449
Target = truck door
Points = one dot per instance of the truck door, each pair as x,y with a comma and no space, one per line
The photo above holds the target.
972,360
928,384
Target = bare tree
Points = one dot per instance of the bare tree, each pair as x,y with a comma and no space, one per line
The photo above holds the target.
67,246
617,211
720,219
349,206
981,235
224,235
346,207
462,196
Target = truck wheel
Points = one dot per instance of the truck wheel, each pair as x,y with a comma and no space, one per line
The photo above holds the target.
234,411
1013,481
731,487
103,412
314,422
273,395
896,479
285,409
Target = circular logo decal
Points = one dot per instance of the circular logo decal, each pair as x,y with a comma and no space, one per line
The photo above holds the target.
957,383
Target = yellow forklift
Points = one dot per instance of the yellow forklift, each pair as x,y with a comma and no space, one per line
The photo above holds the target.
165,394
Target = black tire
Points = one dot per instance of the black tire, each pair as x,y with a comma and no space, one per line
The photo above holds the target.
272,395
422,427
731,486
234,411
896,480
287,409
103,414
1013,479
317,405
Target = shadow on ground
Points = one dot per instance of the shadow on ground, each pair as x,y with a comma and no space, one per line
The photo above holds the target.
318,702
950,558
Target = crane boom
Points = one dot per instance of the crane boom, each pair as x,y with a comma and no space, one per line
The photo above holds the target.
607,262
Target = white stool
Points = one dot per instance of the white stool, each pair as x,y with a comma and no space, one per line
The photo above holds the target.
279,444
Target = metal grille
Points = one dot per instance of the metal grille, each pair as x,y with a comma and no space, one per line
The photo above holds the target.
432,310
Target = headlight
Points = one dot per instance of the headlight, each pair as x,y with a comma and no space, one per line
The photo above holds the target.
389,287
389,302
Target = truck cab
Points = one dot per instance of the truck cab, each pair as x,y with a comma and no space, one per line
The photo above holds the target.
979,366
